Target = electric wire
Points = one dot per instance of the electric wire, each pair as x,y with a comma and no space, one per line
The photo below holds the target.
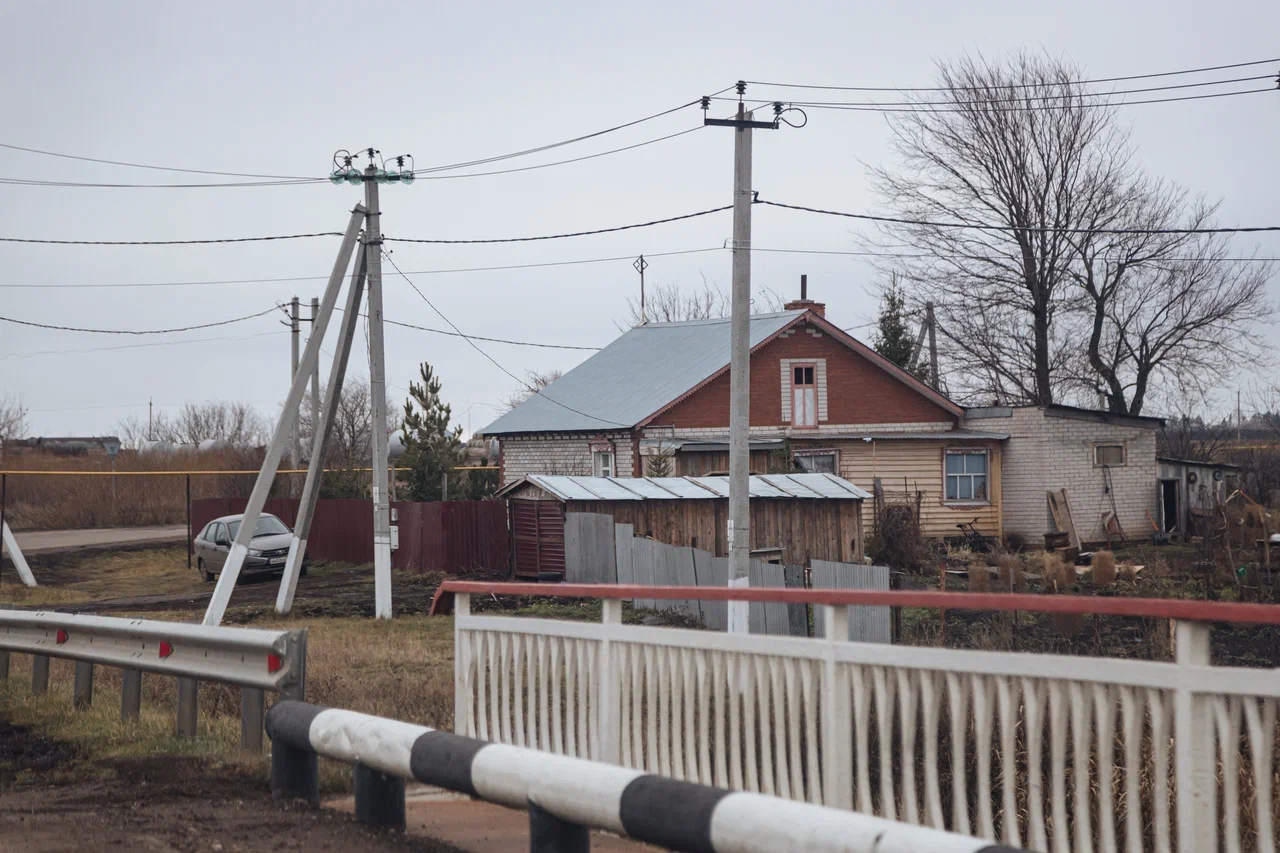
1033,228
139,331
138,346
479,337
563,236
169,242
495,362
65,156
1095,80
32,182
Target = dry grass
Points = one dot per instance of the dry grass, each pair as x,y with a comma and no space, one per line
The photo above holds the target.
1103,569
1012,573
111,574
979,579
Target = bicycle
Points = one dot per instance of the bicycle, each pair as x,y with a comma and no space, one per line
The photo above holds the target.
970,537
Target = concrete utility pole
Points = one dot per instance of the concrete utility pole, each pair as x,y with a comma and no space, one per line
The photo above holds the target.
295,434
378,389
933,345
739,525
315,375
641,265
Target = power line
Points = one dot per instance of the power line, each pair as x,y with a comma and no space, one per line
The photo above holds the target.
967,257
13,147
495,362
142,331
479,337
169,242
26,182
570,234
1020,85
627,258
1095,105
137,346
1034,228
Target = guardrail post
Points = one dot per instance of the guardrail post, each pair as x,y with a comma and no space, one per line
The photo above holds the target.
295,773
82,692
608,704
837,716
297,689
188,706
1193,744
550,834
130,694
39,674
461,665
379,797
253,704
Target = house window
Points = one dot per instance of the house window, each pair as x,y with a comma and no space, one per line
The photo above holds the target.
804,396
966,475
1108,455
602,463
823,462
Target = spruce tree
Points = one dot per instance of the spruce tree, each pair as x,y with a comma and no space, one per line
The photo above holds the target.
431,448
893,333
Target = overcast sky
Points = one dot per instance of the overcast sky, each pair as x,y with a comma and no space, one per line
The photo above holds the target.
275,88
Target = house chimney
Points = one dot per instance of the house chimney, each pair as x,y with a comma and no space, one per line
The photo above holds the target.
804,303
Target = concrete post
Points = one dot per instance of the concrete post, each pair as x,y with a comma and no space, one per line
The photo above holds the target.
550,834
609,705
378,391
275,451
315,370
295,773
295,434
253,707
739,529
82,692
379,797
130,694
837,716
188,707
39,674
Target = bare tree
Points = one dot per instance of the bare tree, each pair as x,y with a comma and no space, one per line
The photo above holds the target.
1191,437
236,423
670,303
350,440
1015,150
13,417
534,381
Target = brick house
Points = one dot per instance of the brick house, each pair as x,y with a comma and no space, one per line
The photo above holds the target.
820,400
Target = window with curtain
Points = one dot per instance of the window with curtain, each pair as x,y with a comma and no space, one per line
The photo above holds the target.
804,396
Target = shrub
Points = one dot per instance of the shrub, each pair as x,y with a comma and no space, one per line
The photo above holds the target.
1103,572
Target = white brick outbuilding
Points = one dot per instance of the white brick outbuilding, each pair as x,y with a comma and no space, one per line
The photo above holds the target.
1095,456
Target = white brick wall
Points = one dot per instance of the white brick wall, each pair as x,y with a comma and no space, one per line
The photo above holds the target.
560,454
1049,453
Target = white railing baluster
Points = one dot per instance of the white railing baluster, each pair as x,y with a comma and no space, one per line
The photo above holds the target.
816,768
677,714
690,744
1131,731
932,786
519,703
884,695
958,703
1262,743
504,673
982,747
907,699
837,750
795,761
572,699
751,736
862,735
719,685
1037,833
664,713
1105,710
1160,768
766,730
1193,751
704,724
1058,766
1226,716
485,710
1008,763
1081,741
586,707
557,721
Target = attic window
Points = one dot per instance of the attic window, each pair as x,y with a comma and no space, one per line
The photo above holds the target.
1108,455
804,392
602,463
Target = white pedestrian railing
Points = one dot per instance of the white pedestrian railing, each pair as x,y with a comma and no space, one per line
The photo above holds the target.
252,659
1053,752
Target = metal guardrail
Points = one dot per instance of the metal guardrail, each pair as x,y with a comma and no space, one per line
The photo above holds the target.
253,659
567,797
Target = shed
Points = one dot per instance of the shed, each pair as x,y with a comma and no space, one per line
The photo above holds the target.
1188,489
794,517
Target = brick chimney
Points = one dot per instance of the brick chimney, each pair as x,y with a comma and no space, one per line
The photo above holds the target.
804,303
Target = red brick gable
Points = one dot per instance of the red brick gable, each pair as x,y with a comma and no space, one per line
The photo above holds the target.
858,391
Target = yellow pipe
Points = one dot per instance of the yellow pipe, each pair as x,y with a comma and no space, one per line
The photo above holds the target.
174,473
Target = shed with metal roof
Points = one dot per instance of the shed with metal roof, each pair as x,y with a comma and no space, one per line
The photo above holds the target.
795,518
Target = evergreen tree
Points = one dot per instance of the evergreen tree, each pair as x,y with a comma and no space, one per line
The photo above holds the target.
893,338
431,448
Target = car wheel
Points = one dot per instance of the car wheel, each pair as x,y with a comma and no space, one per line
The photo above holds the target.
208,576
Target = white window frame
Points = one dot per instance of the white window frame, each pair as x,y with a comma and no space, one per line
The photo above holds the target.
810,390
985,475
1124,454
822,451
604,463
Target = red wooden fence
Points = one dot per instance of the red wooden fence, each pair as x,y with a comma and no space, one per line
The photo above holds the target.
447,536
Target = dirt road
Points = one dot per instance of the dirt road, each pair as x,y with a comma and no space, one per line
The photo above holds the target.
43,541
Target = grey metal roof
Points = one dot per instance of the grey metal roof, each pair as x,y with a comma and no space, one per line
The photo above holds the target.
633,377
809,486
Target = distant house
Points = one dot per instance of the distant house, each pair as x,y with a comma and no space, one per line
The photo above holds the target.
821,401
64,445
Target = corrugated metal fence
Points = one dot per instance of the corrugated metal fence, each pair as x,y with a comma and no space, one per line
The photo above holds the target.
442,536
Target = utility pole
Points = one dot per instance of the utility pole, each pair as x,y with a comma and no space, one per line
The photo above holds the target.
150,401
739,524
641,265
315,374
933,345
295,437
378,388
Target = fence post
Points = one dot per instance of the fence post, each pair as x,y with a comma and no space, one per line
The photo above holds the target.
253,703
82,692
608,704
188,706
379,797
550,834
1193,744
461,666
837,738
39,674
130,693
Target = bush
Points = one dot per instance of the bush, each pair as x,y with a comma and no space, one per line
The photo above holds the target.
1012,574
1103,572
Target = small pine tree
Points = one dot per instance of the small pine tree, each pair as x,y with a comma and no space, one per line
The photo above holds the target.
893,333
660,464
431,448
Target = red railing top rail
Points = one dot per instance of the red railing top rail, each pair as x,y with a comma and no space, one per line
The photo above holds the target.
1162,608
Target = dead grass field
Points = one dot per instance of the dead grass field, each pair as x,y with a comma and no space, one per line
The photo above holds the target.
72,577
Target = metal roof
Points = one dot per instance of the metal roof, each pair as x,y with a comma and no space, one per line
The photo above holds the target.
635,376
808,486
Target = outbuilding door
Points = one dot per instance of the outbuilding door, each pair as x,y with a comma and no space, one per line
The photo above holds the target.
537,533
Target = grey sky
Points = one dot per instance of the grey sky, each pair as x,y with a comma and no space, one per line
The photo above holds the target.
276,88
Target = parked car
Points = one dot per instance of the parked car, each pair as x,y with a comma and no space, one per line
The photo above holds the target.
267,550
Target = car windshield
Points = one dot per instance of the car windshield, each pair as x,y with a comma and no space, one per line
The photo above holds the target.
268,525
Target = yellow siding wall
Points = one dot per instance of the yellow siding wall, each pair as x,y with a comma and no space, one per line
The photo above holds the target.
920,462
